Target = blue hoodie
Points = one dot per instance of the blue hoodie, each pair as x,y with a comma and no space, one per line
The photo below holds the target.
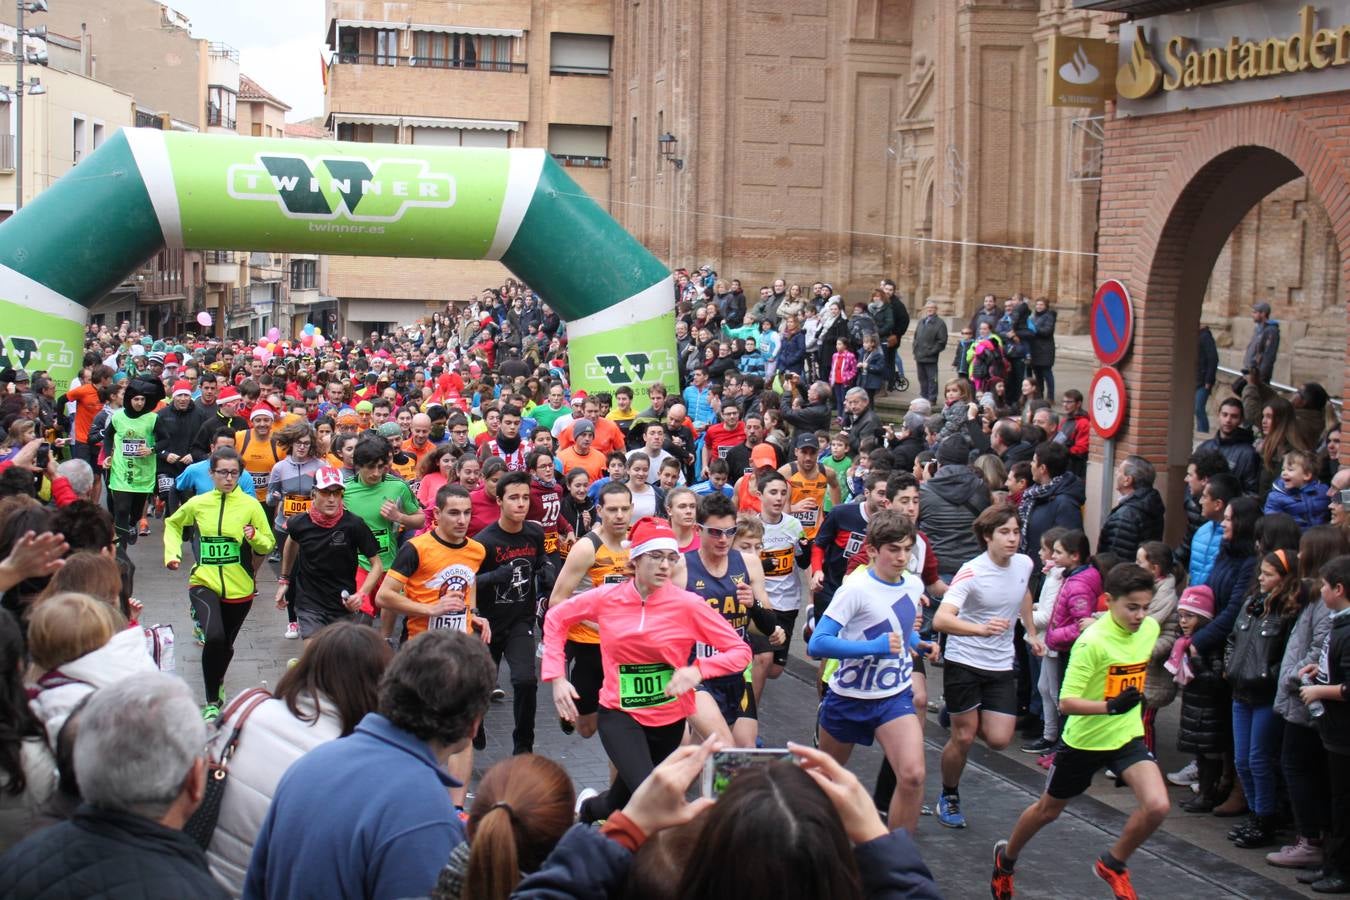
1308,505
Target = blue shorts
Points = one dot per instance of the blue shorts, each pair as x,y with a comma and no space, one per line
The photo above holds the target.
853,721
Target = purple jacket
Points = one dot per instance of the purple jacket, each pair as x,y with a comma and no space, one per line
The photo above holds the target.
1074,607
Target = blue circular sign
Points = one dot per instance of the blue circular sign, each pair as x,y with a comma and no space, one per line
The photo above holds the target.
1111,322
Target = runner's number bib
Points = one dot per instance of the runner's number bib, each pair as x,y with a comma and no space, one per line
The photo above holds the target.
643,685
133,446
294,504
220,551
450,622
1124,676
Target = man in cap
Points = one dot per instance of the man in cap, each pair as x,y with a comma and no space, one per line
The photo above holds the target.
810,482
581,455
258,449
320,559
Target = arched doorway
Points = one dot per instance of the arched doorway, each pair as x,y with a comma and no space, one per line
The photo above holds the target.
1174,188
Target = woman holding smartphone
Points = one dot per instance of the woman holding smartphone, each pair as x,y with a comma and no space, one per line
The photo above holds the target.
648,630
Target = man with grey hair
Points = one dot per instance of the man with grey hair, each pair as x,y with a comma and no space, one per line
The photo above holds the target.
1138,517
930,339
78,476
859,419
921,405
139,760
910,442
812,416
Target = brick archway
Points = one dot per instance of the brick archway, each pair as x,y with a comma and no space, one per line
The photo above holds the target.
1173,188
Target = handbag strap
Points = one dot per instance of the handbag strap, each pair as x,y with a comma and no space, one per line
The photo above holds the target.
248,701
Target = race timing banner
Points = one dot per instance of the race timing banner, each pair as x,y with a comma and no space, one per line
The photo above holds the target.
145,188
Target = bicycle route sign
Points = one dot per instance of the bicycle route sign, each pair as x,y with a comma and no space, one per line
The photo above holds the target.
1106,402
1111,322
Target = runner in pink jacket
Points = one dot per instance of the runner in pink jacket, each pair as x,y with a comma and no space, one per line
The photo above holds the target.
648,629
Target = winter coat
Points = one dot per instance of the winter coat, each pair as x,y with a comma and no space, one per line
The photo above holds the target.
1074,608
1136,519
586,865
948,505
1043,340
930,339
1229,579
1309,424
866,424
1270,632
1160,687
904,451
1262,350
62,689
23,813
107,854
843,369
1060,507
813,417
1243,460
1206,359
954,417
1306,639
961,362
872,370
270,741
1308,505
792,352
753,363
883,318
1204,551
1206,708
899,316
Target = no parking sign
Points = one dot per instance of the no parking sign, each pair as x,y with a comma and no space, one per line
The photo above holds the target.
1111,322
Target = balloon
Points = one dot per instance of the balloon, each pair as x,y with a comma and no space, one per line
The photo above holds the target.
260,353
318,331
319,340
309,328
204,319
273,333
307,340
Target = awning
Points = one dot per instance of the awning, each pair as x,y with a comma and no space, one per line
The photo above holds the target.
467,29
335,25
470,124
364,119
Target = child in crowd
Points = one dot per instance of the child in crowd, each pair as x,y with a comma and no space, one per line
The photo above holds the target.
871,366
1206,706
862,464
962,360
843,370
1048,684
839,460
616,469
1155,557
1298,492
956,410
1332,675
718,474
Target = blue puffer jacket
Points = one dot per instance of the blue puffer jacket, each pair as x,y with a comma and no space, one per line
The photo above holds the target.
1204,550
1308,505
1229,579
586,865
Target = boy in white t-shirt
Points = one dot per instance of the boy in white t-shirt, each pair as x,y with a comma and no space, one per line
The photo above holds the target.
779,554
979,682
869,628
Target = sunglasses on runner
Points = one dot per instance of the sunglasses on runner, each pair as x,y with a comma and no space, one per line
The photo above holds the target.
726,533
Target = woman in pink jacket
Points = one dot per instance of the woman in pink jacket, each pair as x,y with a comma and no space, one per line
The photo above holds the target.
648,629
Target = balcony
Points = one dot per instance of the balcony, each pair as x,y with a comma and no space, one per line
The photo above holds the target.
221,267
216,119
582,162
579,101
428,90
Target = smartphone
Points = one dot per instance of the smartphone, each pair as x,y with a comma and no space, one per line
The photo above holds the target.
44,455
724,765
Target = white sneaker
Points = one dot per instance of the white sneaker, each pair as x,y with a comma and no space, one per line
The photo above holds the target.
292,631
586,794
1188,775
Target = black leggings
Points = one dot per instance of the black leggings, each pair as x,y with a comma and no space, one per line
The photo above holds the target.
516,642
635,750
1304,762
221,622
127,507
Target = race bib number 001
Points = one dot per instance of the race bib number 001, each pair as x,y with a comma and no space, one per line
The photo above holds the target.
1125,676
643,685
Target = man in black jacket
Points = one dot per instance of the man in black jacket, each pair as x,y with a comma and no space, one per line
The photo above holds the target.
895,365
1234,440
1054,500
815,415
1206,372
859,420
1138,517
141,769
175,429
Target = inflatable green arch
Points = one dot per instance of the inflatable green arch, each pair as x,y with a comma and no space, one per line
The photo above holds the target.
143,189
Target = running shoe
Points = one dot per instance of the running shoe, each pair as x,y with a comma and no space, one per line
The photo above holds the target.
198,635
210,712
1040,746
1187,775
1046,760
498,695
949,811
292,631
566,726
582,797
144,529
1001,882
945,717
925,810
1118,881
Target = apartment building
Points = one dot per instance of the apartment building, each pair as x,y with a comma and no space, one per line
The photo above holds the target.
478,73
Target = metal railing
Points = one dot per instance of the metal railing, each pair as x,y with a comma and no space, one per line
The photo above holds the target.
1286,388
223,51
214,117
425,62
583,162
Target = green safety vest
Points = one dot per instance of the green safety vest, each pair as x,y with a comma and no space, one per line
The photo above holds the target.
132,473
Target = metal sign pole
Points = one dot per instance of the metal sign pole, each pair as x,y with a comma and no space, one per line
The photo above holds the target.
1108,478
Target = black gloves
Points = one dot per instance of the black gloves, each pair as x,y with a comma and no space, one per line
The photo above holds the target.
1123,702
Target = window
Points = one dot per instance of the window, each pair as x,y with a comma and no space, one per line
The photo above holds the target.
579,54
386,48
349,45
304,274
98,135
77,131
220,106
367,134
461,137
579,145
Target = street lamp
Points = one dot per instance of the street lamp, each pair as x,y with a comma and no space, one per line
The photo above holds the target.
34,87
667,144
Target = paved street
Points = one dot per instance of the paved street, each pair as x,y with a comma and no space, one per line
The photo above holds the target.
1190,859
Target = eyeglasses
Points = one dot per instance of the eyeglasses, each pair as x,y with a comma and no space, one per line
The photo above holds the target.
226,473
725,533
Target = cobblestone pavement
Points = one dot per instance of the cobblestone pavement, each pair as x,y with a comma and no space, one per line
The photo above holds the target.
1188,858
